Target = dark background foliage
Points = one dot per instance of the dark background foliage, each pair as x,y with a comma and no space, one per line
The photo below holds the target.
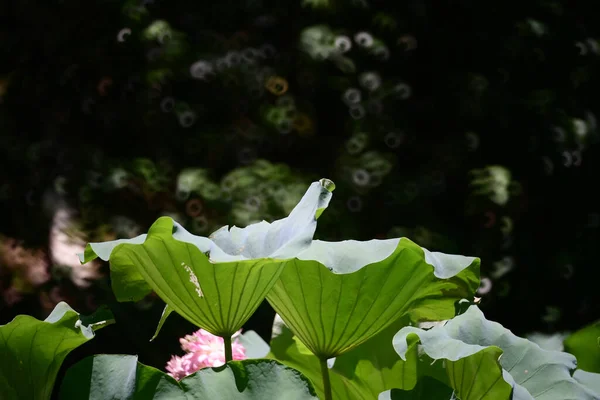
475,133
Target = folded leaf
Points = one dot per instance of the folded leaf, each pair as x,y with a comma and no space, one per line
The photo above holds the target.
336,295
215,284
121,377
282,239
32,351
483,360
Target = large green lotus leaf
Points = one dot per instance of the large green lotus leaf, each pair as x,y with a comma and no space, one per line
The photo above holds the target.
218,297
214,283
483,360
108,377
32,351
585,346
336,295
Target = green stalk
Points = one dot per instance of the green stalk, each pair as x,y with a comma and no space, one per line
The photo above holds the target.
228,350
326,381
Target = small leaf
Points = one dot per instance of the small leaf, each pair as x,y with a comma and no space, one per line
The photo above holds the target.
32,351
469,347
121,377
102,317
336,295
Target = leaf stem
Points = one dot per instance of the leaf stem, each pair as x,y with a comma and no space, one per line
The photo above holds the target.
228,351
326,381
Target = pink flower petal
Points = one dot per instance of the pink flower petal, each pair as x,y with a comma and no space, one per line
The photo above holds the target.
203,350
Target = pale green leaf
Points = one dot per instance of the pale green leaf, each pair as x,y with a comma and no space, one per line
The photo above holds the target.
483,360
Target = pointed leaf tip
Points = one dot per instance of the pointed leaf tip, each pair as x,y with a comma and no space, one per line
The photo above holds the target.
165,314
327,184
163,225
87,255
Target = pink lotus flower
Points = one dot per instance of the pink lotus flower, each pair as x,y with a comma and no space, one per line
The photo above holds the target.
203,350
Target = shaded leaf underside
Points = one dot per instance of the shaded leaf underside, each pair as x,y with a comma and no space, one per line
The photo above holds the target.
332,313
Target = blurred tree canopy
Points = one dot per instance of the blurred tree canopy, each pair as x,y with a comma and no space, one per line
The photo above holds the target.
469,127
